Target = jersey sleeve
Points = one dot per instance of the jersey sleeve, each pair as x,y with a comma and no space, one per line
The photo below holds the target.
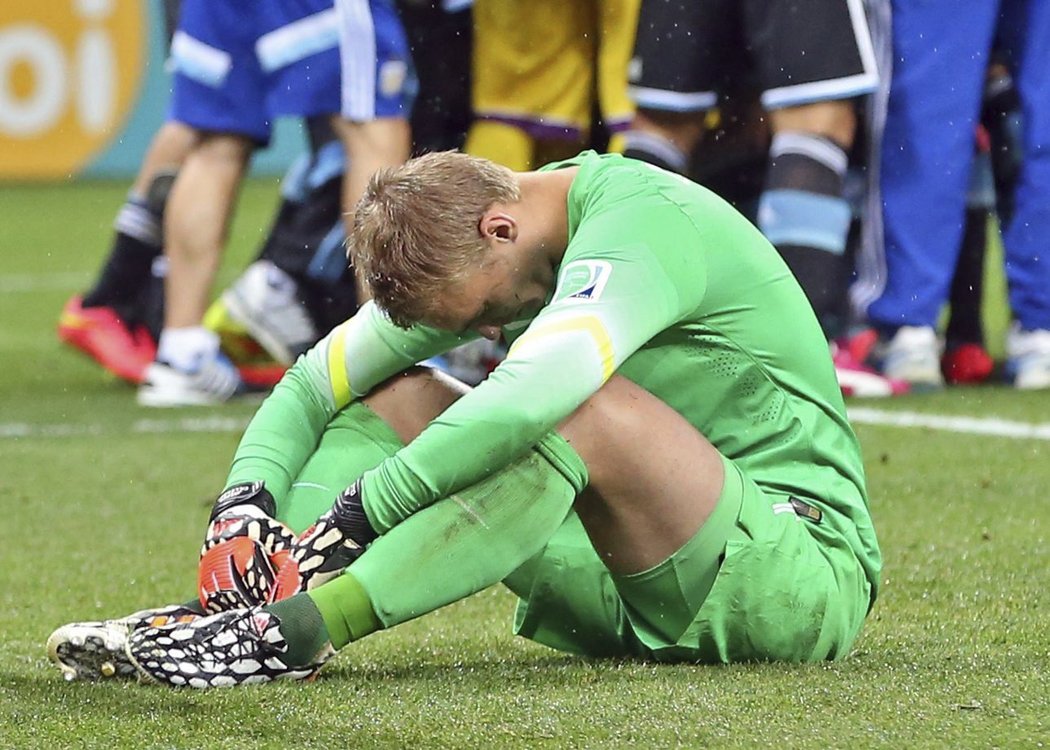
345,365
613,294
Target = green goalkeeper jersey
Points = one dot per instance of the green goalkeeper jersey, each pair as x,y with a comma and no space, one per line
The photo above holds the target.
662,282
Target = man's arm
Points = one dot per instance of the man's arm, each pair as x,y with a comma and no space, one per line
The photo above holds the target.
345,365
567,353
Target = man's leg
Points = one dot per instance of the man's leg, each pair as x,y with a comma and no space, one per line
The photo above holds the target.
360,439
926,156
107,322
138,225
654,481
661,509
441,40
965,359
1025,238
378,86
229,87
198,218
803,210
534,80
299,286
672,92
616,23
664,550
196,226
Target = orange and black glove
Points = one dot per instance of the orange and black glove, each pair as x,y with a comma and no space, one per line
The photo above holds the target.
324,550
243,549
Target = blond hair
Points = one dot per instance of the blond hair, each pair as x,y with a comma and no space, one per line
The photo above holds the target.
416,228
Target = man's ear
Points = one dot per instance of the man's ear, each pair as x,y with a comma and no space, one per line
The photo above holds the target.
498,225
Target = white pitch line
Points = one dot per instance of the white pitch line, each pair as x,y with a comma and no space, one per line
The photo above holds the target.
138,427
11,283
859,415
968,425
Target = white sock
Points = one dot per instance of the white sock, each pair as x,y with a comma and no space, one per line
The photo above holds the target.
185,348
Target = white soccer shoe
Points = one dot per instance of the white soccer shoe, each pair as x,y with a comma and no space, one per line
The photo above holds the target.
264,299
857,380
96,650
473,361
1028,358
236,647
215,381
914,356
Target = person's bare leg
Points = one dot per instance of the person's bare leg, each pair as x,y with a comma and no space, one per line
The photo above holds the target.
836,120
137,238
369,146
108,321
169,148
664,139
409,401
197,223
682,129
654,479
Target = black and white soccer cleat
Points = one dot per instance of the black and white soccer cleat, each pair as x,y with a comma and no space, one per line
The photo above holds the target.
96,650
236,647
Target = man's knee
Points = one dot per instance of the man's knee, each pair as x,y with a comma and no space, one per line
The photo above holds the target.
617,430
224,148
836,120
410,400
683,129
609,405
385,139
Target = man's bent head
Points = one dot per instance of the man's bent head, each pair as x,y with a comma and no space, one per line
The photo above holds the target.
416,229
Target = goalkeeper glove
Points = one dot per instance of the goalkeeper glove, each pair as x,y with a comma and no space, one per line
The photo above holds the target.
243,549
325,549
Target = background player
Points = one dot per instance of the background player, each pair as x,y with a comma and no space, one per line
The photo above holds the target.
809,76
542,71
927,155
282,60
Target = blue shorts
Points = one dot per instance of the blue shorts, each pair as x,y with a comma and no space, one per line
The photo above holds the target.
378,77
238,66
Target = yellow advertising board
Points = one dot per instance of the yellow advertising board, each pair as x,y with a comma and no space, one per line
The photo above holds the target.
70,71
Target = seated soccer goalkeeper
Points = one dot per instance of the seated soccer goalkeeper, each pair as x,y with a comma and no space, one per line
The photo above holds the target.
661,468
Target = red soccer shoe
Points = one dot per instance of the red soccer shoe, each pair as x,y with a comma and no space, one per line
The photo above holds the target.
104,336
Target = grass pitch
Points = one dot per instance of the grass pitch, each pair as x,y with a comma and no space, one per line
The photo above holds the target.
102,505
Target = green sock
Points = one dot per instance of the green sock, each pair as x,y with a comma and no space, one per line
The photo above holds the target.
302,627
195,606
459,545
346,609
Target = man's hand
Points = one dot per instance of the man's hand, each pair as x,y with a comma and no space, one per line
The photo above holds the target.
325,549
243,549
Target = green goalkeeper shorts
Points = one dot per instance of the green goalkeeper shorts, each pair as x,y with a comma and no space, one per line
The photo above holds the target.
758,582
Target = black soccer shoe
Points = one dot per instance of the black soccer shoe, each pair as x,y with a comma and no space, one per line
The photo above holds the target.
236,647
96,650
